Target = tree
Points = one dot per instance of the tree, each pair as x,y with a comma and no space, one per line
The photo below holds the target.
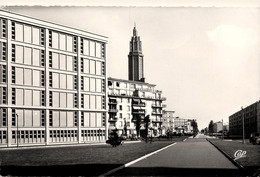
125,128
138,125
146,121
210,129
169,133
195,127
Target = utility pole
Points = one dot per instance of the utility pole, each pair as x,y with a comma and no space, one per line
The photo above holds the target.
243,124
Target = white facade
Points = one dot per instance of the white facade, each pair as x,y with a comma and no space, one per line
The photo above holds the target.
129,99
52,83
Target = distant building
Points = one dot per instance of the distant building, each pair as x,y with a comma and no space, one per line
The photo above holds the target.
52,83
167,121
134,98
217,127
251,115
183,125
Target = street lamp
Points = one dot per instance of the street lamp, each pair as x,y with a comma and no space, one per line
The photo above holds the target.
17,134
243,124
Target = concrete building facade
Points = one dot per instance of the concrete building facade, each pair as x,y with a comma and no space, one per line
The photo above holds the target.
52,83
217,127
168,122
130,99
251,116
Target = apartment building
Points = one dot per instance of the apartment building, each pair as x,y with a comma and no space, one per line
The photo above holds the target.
183,125
217,127
167,121
130,99
52,83
251,117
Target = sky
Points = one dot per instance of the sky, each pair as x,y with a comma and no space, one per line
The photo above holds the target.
205,59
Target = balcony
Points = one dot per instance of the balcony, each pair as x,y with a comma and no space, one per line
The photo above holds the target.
156,113
156,106
139,112
112,101
112,119
113,110
139,104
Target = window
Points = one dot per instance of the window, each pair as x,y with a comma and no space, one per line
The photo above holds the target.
3,25
63,100
98,85
27,34
70,100
28,97
75,119
19,97
56,80
62,62
3,95
63,119
36,118
92,119
99,119
92,102
99,102
56,99
120,115
120,107
28,118
92,84
36,98
98,68
92,48
18,32
3,54
28,76
92,67
55,40
27,55
55,60
36,78
86,47
36,57
86,101
70,82
69,63
98,50
63,81
18,54
56,119
69,43
86,66
86,83
62,42
36,35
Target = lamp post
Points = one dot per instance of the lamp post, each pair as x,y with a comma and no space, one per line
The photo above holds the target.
17,134
243,125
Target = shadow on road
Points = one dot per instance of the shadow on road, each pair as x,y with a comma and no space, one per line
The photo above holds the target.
164,171
61,170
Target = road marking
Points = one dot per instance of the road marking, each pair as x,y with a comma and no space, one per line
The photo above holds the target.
134,161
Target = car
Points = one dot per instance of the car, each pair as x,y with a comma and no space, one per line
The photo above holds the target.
254,138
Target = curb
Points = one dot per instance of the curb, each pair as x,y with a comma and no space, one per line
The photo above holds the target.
134,161
227,156
60,145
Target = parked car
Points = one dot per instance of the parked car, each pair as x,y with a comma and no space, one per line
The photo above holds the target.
254,138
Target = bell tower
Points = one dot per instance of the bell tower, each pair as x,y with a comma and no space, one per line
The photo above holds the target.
135,59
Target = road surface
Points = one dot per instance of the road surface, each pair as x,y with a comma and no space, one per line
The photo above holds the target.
193,157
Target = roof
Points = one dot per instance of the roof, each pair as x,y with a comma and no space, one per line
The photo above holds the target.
129,81
51,25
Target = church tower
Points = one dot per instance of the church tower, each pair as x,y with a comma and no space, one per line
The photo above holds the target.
135,59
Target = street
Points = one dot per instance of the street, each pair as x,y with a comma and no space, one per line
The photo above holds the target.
195,156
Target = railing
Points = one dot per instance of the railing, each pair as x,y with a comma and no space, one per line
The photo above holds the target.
157,106
139,104
112,110
156,113
138,111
